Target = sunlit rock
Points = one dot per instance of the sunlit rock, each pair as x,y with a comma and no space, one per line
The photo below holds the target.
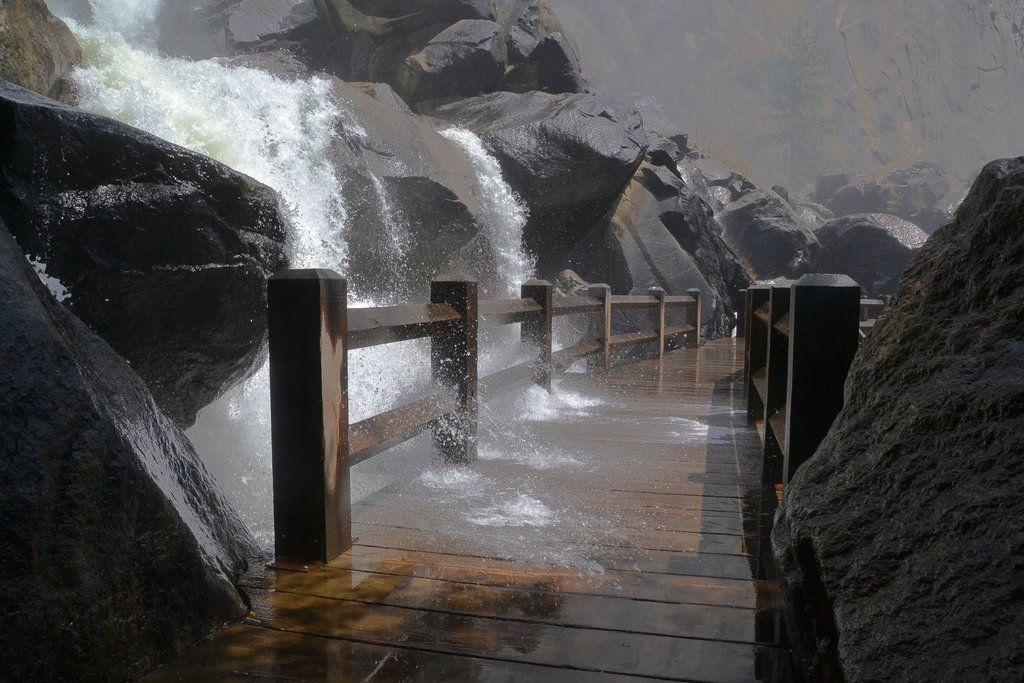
36,49
165,252
899,543
118,551
915,192
873,249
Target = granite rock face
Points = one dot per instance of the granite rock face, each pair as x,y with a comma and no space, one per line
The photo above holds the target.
567,156
899,543
873,249
37,51
118,551
165,253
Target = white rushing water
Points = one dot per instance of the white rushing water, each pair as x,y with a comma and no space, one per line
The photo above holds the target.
280,133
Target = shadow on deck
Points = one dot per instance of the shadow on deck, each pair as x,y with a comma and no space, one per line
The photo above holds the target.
616,535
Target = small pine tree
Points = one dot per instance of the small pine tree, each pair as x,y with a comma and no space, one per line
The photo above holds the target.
795,84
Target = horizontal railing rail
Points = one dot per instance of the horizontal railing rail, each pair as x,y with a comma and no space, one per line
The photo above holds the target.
311,331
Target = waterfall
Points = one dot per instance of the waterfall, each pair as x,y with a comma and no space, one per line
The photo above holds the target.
280,133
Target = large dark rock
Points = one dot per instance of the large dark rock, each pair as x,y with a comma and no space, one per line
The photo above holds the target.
899,543
660,234
117,549
202,29
466,59
768,236
915,192
430,52
165,252
37,51
567,156
873,249
540,54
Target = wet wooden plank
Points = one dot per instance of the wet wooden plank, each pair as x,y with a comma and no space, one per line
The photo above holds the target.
672,587
563,358
539,602
633,303
499,383
569,305
383,325
498,312
539,642
246,653
381,432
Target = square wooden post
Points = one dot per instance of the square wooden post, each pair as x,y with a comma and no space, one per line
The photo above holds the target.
309,414
536,334
696,313
602,324
824,315
657,320
453,364
777,366
756,349
741,318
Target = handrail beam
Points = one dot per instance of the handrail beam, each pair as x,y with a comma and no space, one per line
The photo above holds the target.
387,324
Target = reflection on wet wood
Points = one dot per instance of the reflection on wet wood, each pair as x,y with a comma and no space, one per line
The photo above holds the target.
676,587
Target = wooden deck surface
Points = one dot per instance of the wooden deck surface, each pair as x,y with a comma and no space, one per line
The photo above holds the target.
611,532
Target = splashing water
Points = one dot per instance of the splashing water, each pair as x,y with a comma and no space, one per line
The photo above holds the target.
280,133
504,213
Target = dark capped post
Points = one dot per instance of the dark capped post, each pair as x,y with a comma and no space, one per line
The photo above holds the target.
602,324
536,333
309,414
453,364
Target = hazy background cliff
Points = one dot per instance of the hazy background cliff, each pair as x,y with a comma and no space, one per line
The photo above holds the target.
904,79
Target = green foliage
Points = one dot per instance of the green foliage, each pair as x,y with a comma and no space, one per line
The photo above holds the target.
795,87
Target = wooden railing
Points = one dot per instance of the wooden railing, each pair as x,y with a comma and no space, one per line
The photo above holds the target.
311,331
800,338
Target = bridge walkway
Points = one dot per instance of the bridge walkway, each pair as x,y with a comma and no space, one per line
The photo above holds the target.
618,538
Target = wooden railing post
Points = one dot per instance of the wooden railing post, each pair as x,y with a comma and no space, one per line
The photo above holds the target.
741,318
777,360
657,319
695,320
602,324
824,315
536,334
309,414
453,364
756,349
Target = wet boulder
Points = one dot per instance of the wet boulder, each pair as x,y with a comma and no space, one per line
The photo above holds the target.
220,28
466,59
118,550
915,192
164,252
899,542
724,185
567,156
660,234
873,249
37,50
412,195
768,236
540,54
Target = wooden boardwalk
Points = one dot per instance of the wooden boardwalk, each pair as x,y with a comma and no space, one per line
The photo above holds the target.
612,532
